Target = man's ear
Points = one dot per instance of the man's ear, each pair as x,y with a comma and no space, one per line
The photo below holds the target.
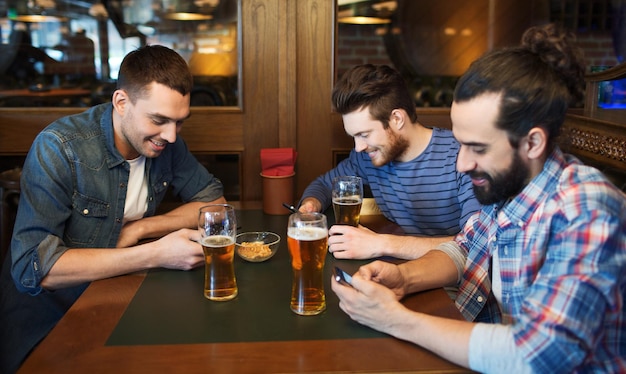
397,119
119,101
537,143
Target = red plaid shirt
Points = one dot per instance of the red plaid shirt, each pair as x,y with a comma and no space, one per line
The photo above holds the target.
562,249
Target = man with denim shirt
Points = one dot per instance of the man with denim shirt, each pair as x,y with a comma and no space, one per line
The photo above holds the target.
541,268
91,185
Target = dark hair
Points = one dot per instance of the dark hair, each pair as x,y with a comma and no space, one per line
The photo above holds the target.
537,80
153,63
380,88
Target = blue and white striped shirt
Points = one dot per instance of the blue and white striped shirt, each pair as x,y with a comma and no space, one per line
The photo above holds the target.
425,196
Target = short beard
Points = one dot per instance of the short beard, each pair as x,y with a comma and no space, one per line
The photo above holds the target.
397,146
502,186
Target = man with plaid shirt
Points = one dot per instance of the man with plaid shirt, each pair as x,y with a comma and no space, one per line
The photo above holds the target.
541,268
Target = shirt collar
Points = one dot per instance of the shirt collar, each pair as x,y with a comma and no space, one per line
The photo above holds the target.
519,210
106,123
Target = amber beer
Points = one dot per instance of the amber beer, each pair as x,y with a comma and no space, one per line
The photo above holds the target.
347,195
347,210
219,275
308,247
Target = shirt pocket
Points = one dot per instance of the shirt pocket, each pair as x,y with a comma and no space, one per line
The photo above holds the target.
161,184
88,220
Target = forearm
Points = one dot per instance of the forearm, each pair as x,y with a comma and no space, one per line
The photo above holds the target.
179,250
445,337
433,270
410,247
184,216
81,265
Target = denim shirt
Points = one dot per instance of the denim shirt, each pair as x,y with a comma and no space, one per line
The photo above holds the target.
74,184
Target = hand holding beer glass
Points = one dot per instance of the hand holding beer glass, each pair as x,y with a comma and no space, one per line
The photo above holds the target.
307,240
218,227
347,200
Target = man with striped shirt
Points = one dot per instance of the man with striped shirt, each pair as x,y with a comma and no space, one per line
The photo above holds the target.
409,168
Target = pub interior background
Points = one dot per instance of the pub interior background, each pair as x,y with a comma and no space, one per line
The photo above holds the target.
264,69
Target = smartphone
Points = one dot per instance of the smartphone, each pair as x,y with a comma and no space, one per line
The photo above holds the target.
342,277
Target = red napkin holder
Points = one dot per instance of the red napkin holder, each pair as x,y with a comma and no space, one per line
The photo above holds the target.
278,161
277,172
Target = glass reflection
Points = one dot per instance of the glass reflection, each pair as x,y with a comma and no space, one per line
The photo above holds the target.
71,56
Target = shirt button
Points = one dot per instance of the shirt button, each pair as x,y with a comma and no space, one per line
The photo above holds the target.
165,184
85,211
479,299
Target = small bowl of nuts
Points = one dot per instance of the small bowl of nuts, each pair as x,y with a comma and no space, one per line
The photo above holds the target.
257,246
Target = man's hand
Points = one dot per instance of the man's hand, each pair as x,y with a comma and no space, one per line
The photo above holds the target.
348,242
310,205
388,274
179,250
371,300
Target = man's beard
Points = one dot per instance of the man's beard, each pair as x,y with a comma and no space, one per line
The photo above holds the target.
396,147
502,186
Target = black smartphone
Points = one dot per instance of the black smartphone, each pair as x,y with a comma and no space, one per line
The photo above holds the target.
342,277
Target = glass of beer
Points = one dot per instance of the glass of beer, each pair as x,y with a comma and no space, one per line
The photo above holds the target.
307,240
347,200
218,227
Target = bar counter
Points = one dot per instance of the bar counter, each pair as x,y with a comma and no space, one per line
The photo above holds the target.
159,321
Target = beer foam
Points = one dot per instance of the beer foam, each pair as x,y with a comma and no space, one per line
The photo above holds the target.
348,200
307,233
217,241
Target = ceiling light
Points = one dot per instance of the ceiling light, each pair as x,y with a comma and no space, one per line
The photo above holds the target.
366,12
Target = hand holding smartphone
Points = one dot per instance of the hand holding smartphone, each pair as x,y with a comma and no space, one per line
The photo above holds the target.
342,277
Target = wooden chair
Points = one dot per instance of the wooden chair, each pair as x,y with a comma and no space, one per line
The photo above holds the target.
9,197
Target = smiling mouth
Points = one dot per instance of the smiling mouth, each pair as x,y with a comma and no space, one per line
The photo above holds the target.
479,181
158,145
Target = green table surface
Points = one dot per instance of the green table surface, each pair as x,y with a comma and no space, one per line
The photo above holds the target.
169,307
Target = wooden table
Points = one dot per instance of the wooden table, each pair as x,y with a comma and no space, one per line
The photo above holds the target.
81,342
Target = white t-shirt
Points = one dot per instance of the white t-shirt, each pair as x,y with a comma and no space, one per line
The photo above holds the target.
137,193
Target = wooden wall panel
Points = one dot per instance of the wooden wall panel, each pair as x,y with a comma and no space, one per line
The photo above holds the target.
260,94
314,53
19,126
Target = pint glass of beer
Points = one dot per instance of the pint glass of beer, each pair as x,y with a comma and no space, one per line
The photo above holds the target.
307,239
347,200
218,228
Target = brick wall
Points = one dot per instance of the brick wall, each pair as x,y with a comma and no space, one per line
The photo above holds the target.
360,44
598,48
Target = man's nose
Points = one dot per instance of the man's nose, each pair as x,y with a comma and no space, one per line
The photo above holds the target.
464,162
169,132
359,145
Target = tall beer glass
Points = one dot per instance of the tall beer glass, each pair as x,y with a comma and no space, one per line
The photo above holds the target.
307,240
218,227
347,200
